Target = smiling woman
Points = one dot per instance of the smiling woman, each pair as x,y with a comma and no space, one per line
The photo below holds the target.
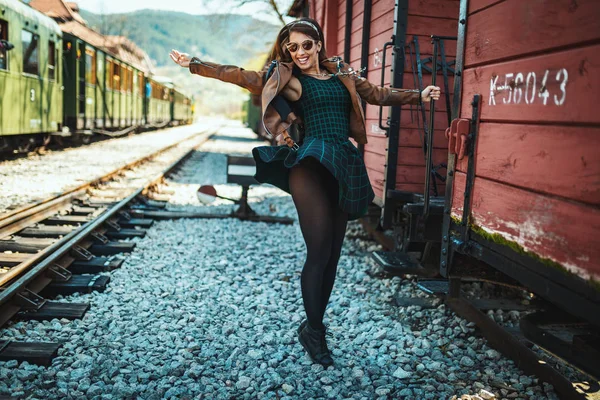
325,173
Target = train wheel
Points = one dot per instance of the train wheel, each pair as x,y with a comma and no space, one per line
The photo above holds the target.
5,144
46,139
81,139
25,145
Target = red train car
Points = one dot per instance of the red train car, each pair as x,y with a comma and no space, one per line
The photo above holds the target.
514,179
527,199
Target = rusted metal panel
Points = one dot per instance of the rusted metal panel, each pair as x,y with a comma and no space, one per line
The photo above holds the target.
513,90
515,28
557,160
561,231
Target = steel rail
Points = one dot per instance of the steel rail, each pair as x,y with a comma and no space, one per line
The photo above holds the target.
51,253
31,209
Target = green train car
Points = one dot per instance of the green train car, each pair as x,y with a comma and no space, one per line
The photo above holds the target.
30,76
166,103
73,83
102,93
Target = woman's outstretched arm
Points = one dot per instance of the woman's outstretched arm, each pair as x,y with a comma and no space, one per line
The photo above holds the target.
251,80
374,94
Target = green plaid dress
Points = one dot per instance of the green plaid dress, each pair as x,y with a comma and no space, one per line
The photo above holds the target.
325,107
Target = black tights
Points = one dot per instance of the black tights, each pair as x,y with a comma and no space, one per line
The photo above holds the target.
323,224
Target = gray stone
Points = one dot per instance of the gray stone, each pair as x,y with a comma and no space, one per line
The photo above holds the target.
466,361
401,373
243,382
287,388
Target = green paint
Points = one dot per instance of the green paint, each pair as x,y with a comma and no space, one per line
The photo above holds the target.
30,103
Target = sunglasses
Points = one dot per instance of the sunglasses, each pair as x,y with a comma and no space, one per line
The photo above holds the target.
306,45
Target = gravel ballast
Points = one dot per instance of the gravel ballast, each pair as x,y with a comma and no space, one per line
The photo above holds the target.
208,308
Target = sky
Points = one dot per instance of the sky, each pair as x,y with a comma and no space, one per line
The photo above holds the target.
258,9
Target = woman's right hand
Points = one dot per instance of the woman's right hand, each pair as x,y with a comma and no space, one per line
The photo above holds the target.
182,59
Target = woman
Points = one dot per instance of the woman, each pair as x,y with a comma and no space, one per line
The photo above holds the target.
325,175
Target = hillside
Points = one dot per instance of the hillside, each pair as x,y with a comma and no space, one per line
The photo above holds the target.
226,39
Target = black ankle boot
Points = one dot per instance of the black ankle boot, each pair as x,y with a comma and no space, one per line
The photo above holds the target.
314,343
302,325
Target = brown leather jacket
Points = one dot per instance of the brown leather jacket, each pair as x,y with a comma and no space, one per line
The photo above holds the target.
255,83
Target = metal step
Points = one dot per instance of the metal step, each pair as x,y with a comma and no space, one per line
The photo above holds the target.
437,287
565,336
399,263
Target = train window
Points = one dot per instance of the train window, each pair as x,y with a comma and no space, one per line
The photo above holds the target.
141,83
124,78
3,52
116,77
90,66
130,80
56,64
99,69
51,60
109,69
31,61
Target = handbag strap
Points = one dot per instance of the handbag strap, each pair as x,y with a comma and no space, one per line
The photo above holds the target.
289,141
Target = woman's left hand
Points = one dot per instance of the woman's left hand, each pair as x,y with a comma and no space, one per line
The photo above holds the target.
430,92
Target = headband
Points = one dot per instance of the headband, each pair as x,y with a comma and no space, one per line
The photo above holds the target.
303,23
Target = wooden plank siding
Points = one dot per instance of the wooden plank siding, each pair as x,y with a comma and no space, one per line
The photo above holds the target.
537,164
426,17
562,231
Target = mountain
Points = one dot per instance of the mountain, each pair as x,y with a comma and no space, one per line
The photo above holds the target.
226,39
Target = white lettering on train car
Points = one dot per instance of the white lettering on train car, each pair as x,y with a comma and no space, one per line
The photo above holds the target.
514,93
530,80
544,94
376,58
507,87
493,89
565,77
518,90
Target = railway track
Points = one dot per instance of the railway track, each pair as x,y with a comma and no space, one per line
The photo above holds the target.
55,245
534,323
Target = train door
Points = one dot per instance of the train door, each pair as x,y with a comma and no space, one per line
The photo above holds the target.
100,90
90,90
31,83
81,98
